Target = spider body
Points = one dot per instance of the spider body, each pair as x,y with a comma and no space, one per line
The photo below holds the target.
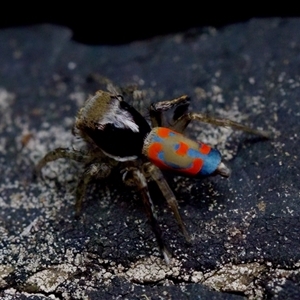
119,136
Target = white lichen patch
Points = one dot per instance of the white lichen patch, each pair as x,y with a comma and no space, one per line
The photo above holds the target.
6,101
152,270
12,294
48,138
48,280
233,278
41,142
5,270
197,276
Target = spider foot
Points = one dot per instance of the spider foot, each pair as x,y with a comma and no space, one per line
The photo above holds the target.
167,256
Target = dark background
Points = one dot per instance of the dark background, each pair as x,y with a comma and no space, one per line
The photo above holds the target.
114,24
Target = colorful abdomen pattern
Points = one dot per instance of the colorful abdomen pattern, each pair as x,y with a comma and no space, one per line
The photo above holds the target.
170,150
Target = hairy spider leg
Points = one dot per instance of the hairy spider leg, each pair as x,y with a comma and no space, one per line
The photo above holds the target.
134,177
95,170
99,170
157,109
182,122
181,118
155,173
57,153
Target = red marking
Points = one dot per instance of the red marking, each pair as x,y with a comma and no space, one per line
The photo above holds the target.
183,148
163,132
204,149
153,151
196,167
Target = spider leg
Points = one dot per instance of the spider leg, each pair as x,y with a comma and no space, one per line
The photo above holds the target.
157,109
183,121
134,177
157,175
60,153
98,170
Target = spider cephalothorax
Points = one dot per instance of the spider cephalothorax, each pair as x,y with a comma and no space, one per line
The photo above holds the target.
119,134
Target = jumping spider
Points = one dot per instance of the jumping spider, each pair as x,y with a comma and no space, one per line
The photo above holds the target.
118,135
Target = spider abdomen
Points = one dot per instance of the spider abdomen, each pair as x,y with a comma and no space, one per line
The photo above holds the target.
170,150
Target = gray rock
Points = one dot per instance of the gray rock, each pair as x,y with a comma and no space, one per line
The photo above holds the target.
245,229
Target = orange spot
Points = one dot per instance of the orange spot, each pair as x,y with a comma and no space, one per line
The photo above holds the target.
153,150
196,167
163,132
183,148
204,149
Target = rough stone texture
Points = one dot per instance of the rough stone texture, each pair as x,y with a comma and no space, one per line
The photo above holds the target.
245,229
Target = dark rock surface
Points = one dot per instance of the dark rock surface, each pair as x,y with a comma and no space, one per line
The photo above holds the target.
245,229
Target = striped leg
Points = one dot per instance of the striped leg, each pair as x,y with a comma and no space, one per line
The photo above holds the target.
135,177
96,170
183,121
157,175
68,153
181,118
